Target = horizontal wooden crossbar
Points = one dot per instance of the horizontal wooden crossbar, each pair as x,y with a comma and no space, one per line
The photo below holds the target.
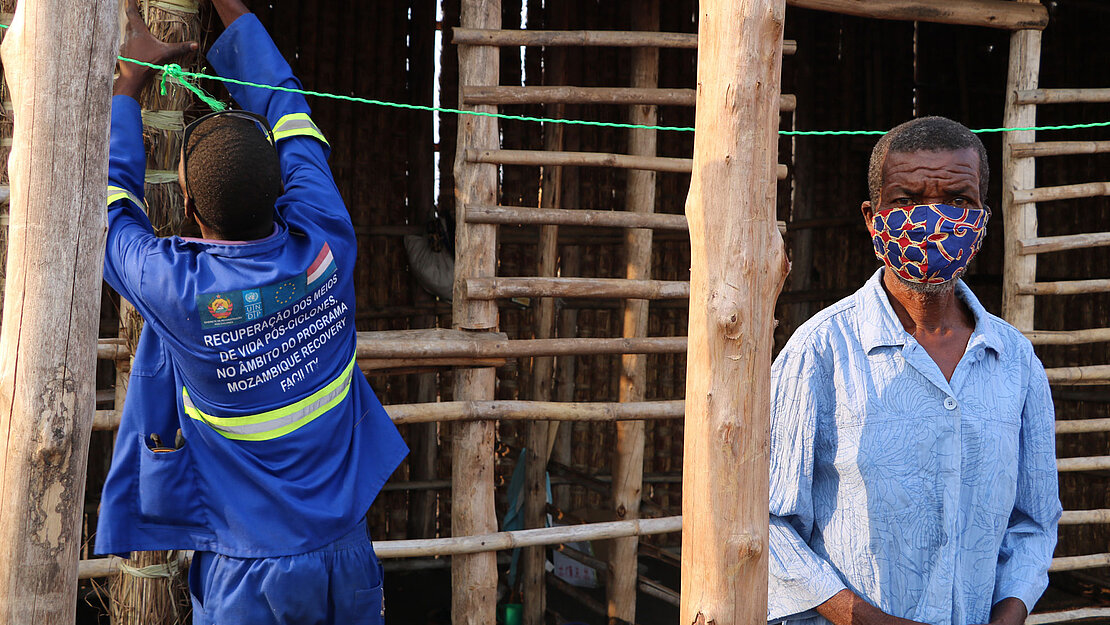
1067,616
1068,337
1061,96
990,13
1085,517
1082,426
1065,287
1044,245
1075,563
1065,192
1094,463
584,38
506,95
585,288
573,217
551,158
1079,376
1058,148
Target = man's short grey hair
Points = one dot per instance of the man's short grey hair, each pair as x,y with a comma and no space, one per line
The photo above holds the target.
926,134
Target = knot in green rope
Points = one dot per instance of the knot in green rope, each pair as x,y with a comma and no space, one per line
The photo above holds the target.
174,71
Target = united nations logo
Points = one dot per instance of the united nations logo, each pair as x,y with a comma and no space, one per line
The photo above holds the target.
220,307
251,297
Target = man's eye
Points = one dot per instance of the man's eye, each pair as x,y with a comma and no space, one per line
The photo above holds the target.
961,201
902,201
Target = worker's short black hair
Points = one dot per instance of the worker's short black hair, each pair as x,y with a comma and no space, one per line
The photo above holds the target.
926,134
232,175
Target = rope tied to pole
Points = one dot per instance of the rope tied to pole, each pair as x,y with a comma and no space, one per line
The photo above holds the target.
177,74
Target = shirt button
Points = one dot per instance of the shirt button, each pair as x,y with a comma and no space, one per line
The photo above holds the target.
949,403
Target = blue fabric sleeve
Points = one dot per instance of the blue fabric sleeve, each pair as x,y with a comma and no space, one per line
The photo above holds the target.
799,579
1030,538
246,52
130,235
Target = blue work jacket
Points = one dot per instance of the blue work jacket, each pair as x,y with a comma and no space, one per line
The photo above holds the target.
248,349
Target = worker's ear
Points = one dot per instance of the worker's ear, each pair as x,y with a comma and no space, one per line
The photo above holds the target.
191,209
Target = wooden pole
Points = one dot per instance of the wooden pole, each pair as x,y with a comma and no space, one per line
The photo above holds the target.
628,457
1003,14
474,577
534,559
58,58
7,8
1019,220
738,266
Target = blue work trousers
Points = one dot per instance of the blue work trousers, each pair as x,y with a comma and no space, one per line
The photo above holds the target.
340,584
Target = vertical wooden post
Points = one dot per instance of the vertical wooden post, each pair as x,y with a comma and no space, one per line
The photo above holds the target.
58,58
1019,221
7,8
738,265
628,458
474,576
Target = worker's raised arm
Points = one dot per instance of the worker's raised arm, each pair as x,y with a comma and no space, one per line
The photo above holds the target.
246,52
129,231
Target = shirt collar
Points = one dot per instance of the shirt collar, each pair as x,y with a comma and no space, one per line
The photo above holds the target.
879,325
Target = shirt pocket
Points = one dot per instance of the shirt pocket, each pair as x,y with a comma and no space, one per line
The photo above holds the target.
167,486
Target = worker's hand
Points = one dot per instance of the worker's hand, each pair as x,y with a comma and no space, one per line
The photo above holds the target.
140,45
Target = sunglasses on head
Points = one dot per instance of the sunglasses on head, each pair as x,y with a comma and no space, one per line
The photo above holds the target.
260,121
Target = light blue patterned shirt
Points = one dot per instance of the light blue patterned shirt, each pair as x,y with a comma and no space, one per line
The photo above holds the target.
931,500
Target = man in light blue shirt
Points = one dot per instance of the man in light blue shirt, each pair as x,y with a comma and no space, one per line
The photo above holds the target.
913,467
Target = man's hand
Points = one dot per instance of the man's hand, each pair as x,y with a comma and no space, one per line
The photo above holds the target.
848,608
1009,611
140,45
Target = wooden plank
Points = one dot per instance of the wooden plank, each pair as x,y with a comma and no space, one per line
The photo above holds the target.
1058,148
502,95
587,288
1068,337
1094,463
1019,219
1064,192
738,267
58,59
1080,426
574,217
989,13
1062,96
474,577
1066,287
1044,245
1076,563
590,159
1079,376
584,38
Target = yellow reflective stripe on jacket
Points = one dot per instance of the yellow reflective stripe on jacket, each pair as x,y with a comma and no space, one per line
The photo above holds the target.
116,194
271,424
297,124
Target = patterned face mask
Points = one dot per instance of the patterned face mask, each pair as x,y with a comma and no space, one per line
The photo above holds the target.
929,243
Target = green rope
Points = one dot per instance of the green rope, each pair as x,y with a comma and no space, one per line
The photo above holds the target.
179,75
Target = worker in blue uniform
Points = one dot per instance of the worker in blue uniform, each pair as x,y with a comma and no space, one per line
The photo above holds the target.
249,434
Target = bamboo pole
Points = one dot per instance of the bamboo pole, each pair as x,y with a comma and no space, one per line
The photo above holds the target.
591,159
1047,618
1063,192
1002,14
1043,245
1019,220
628,455
1085,517
592,288
1063,96
474,576
1082,426
1091,374
1094,463
58,58
738,266
565,94
1058,148
1075,563
1066,287
1068,337
584,38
